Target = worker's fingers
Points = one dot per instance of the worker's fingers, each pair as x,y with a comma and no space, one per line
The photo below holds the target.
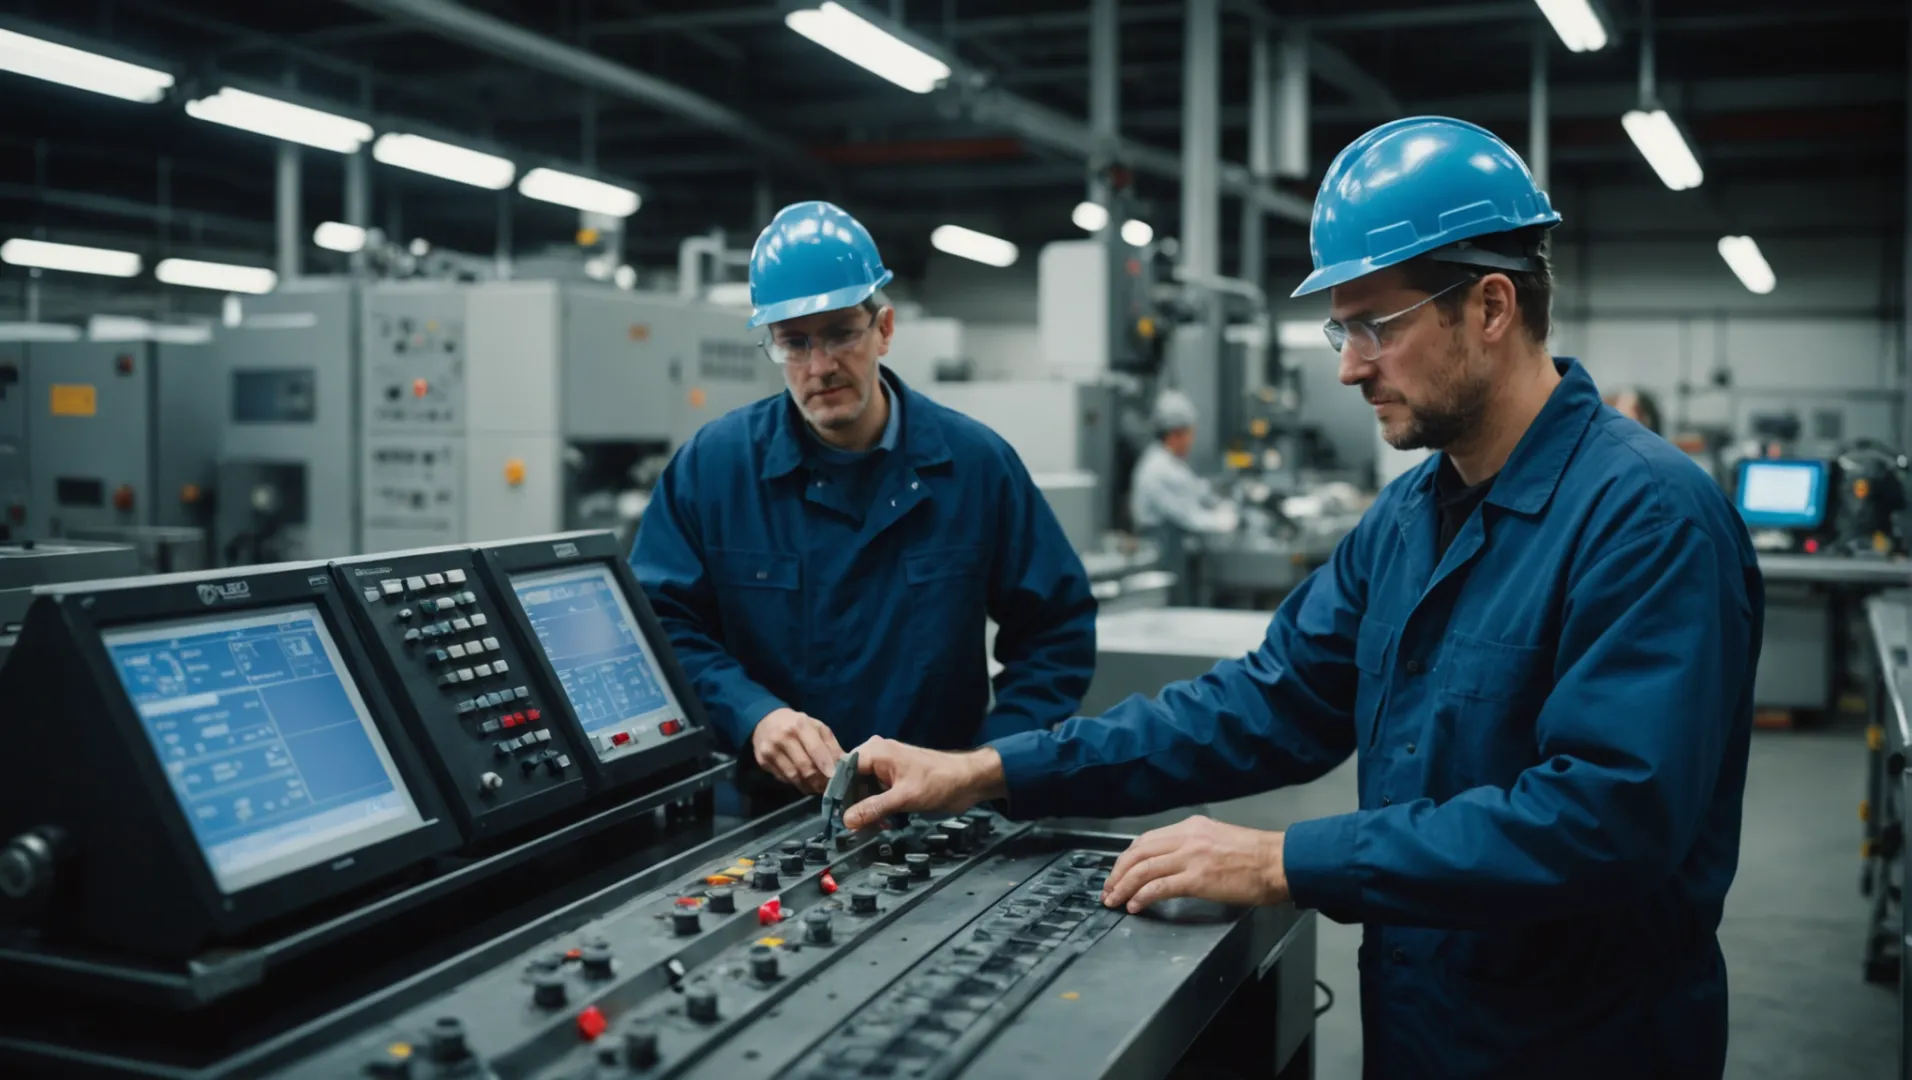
831,744
815,742
1119,890
1149,844
1162,889
781,765
877,807
876,752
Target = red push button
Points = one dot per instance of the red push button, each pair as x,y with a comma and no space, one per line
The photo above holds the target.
770,912
620,738
420,387
591,1023
534,716
670,727
827,882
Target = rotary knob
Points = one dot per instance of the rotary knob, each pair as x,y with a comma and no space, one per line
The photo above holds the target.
764,878
763,963
685,921
898,880
918,866
548,991
722,900
816,926
938,844
489,783
815,853
793,864
640,1046
863,901
445,1042
701,1005
596,961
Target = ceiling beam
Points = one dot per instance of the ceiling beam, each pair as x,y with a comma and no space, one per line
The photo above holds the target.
500,38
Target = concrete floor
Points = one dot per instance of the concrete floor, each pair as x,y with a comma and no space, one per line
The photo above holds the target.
1794,931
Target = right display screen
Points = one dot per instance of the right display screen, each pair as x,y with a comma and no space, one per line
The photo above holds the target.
1783,494
587,630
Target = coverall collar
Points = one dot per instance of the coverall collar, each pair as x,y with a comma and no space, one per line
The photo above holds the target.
922,439
1533,470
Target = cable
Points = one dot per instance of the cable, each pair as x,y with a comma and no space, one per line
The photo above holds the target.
1328,990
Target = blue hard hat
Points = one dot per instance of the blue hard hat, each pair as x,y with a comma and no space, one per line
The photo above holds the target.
812,257
1414,186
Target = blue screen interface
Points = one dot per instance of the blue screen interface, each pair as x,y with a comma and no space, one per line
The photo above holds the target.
1783,494
588,632
264,736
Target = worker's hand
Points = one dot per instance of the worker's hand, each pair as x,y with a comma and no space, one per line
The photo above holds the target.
1200,858
923,781
797,749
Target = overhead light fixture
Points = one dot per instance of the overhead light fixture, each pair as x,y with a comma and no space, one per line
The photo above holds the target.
970,244
1137,233
1090,216
1664,148
443,160
869,46
281,120
338,236
211,275
44,255
1742,254
84,70
38,331
1577,24
579,192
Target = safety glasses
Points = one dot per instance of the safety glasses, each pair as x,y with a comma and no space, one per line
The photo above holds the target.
1366,333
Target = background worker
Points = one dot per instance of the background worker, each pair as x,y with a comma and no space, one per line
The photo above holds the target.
824,560
1168,501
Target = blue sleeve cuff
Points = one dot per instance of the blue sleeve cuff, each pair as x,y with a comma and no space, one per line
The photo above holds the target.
1029,774
744,720
1318,858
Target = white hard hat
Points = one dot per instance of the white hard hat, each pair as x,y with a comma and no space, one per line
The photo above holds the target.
1173,412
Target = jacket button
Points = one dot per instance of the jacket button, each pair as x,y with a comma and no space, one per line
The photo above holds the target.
1410,748
914,484
1386,801
763,575
1398,956
1413,667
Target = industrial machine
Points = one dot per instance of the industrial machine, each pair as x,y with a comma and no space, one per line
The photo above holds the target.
289,431
493,408
121,435
277,826
15,480
1066,435
31,563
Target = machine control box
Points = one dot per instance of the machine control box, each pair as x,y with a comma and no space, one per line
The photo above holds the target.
592,633
503,756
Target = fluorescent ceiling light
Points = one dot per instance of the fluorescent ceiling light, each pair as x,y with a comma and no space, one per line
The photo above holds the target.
970,244
1090,217
443,160
338,236
129,328
869,46
1664,148
1574,20
580,192
38,331
1742,254
71,257
1137,233
281,120
210,275
85,70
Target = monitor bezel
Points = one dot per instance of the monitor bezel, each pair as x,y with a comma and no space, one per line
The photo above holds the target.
570,551
110,609
1768,519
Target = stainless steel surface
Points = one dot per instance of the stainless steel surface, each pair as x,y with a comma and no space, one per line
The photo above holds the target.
24,566
1836,570
1075,498
1140,652
1889,618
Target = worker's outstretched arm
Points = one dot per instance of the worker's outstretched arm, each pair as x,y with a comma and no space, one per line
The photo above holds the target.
669,561
1038,594
1281,715
1654,658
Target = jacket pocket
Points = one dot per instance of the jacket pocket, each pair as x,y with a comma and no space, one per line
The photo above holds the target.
945,609
760,598
1490,696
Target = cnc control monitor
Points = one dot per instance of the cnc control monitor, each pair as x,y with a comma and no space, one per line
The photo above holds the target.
265,739
610,675
1783,494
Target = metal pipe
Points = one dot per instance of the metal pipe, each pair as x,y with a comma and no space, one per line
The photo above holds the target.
500,38
690,262
1201,138
1105,102
1291,105
286,212
1261,150
358,199
1647,89
503,254
1537,114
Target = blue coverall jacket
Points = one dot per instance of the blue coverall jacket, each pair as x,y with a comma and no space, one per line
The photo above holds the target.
776,592
1552,722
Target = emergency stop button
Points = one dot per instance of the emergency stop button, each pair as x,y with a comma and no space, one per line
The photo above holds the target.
670,727
420,387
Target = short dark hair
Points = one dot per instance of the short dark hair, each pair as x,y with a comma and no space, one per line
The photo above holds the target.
1533,289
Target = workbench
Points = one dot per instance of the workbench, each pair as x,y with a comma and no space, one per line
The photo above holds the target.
1888,792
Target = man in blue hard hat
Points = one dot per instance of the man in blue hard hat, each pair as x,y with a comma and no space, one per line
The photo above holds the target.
824,560
1540,642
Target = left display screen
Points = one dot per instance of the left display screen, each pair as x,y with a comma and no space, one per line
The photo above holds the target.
265,738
